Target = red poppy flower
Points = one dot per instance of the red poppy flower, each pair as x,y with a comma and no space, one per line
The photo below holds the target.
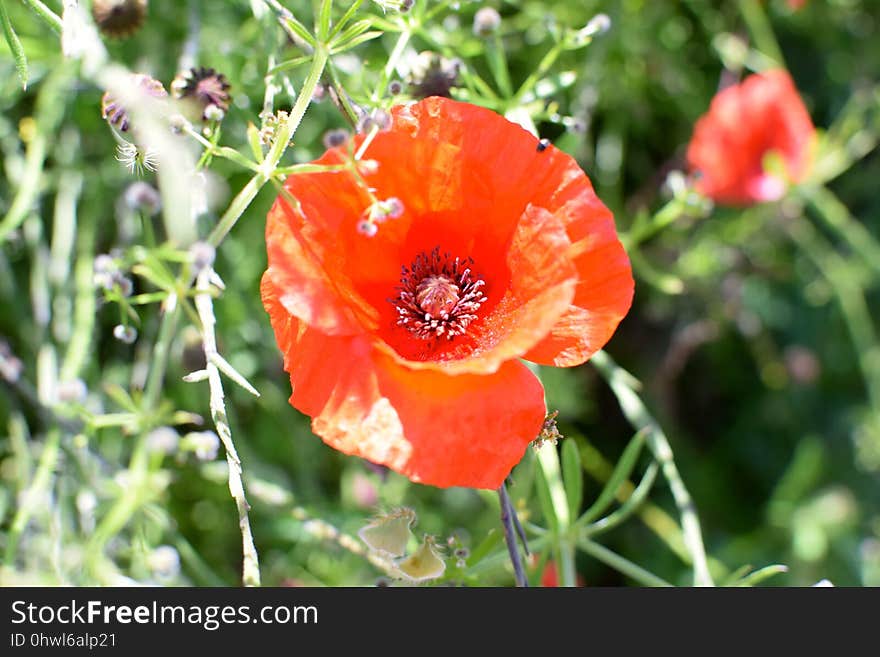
402,321
745,122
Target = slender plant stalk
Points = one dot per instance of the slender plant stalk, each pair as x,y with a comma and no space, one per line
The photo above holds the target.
759,27
621,383
850,296
621,564
32,496
205,307
836,217
50,17
18,54
244,198
510,537
548,461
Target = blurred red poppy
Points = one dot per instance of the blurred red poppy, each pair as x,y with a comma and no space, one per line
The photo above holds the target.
550,576
745,122
403,290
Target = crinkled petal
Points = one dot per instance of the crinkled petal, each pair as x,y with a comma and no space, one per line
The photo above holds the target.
465,430
744,123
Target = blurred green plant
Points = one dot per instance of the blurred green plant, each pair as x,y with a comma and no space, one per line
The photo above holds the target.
752,332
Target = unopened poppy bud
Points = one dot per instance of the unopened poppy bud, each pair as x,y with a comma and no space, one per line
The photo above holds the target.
178,124
599,24
105,272
164,561
368,228
126,287
162,440
389,533
378,119
204,444
143,197
335,138
364,491
72,391
575,125
125,334
104,264
119,18
486,21
10,366
202,255
213,113
390,208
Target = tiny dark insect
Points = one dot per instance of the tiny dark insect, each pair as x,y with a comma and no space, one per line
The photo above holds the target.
542,145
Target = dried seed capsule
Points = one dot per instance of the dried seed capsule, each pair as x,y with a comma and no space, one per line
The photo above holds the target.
206,90
119,18
115,112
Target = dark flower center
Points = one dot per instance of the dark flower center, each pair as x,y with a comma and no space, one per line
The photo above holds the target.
438,296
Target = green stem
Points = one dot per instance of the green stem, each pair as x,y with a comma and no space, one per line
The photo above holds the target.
850,295
621,564
759,27
31,499
342,22
52,19
322,29
543,67
15,46
391,64
244,198
548,461
664,217
497,58
622,383
250,560
156,377
837,218
29,187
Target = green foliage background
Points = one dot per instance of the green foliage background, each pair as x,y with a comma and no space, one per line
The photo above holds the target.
737,332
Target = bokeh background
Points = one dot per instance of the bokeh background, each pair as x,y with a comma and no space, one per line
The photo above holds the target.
737,333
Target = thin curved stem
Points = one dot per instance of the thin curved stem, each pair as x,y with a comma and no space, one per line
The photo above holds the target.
508,522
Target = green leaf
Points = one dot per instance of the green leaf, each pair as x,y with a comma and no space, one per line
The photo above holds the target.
355,29
299,29
356,41
762,574
488,544
572,475
121,397
632,504
621,473
14,46
253,137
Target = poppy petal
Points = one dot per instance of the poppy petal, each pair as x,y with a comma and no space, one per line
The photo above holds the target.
745,122
605,285
464,430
